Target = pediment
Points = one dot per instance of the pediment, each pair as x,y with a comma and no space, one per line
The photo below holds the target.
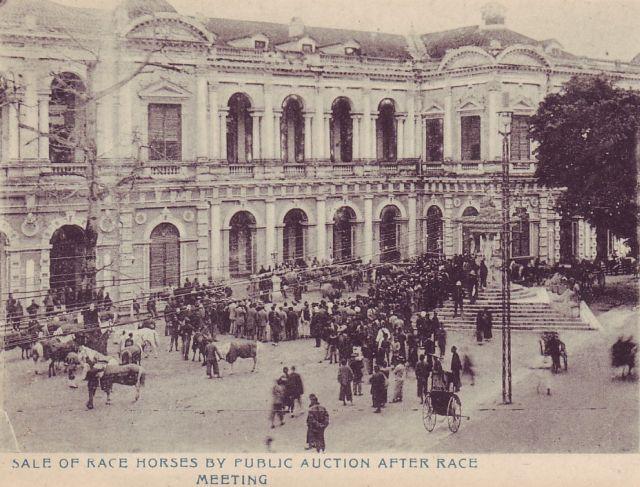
168,29
164,89
523,104
433,109
470,105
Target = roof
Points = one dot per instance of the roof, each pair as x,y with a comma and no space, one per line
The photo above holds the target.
374,44
137,8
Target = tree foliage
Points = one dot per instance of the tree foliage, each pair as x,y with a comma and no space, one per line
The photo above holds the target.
587,136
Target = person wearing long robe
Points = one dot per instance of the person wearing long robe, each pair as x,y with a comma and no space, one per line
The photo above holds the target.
317,422
398,376
377,382
345,378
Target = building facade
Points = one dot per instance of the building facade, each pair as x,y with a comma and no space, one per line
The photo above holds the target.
223,145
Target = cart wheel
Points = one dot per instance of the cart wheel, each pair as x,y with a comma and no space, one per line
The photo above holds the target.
429,417
454,413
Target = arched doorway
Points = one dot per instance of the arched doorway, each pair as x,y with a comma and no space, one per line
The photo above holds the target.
390,234
293,241
242,243
386,131
341,131
344,227
67,121
470,240
434,231
239,129
67,257
164,256
292,131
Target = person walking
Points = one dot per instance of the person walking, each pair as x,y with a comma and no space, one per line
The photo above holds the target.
458,298
422,376
278,397
480,326
296,389
317,422
345,377
456,368
357,367
441,339
398,376
377,382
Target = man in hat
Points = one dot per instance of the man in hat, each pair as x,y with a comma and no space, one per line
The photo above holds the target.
317,422
458,296
345,377
456,368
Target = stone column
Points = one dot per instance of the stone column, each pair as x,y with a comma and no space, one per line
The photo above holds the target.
125,122
417,136
277,146
368,229
14,131
267,126
448,229
400,137
214,125
43,124
447,127
493,151
365,149
255,136
215,245
356,136
409,136
223,132
318,124
29,118
327,137
270,231
202,246
307,137
412,231
202,127
321,223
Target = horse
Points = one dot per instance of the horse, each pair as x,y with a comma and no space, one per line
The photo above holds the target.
144,337
81,360
131,355
54,350
231,351
198,344
107,375
23,339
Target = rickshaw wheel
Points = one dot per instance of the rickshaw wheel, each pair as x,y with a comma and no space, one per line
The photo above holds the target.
429,416
454,413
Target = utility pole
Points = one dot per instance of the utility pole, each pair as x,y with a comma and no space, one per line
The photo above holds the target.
505,122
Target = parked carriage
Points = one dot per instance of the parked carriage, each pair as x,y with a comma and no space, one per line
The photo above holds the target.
441,401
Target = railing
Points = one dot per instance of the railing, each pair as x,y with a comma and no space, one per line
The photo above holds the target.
343,169
242,53
165,170
388,167
294,170
241,170
68,169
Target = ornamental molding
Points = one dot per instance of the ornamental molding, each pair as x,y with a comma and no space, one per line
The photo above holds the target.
140,218
107,222
30,225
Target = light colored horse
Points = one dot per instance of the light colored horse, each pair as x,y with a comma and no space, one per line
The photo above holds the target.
80,362
145,338
106,375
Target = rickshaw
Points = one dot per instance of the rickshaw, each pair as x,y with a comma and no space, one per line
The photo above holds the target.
546,344
441,400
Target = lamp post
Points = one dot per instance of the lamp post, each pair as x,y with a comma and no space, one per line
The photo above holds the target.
505,132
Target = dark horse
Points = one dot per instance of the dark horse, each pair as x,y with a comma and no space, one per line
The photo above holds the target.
105,376
623,354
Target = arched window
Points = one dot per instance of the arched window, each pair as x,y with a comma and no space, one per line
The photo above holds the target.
341,131
242,243
239,129
67,257
293,244
520,236
470,240
344,225
164,256
434,230
470,211
390,234
292,131
67,121
386,131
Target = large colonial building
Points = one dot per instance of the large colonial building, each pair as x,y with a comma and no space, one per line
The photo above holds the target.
224,145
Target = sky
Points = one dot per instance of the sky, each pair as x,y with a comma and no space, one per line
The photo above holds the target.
603,29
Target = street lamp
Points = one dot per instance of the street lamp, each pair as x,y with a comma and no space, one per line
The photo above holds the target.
505,130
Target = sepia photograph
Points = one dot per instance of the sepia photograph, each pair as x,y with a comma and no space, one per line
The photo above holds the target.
319,228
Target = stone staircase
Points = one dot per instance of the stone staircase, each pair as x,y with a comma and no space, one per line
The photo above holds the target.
527,312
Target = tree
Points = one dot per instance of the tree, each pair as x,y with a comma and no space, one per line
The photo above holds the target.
81,142
587,137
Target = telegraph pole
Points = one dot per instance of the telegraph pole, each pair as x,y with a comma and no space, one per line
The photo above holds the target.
505,121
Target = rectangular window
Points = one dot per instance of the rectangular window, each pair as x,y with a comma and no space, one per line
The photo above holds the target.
307,48
260,44
470,138
165,132
435,139
520,141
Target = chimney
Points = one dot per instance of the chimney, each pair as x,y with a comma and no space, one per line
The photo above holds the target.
493,16
296,28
